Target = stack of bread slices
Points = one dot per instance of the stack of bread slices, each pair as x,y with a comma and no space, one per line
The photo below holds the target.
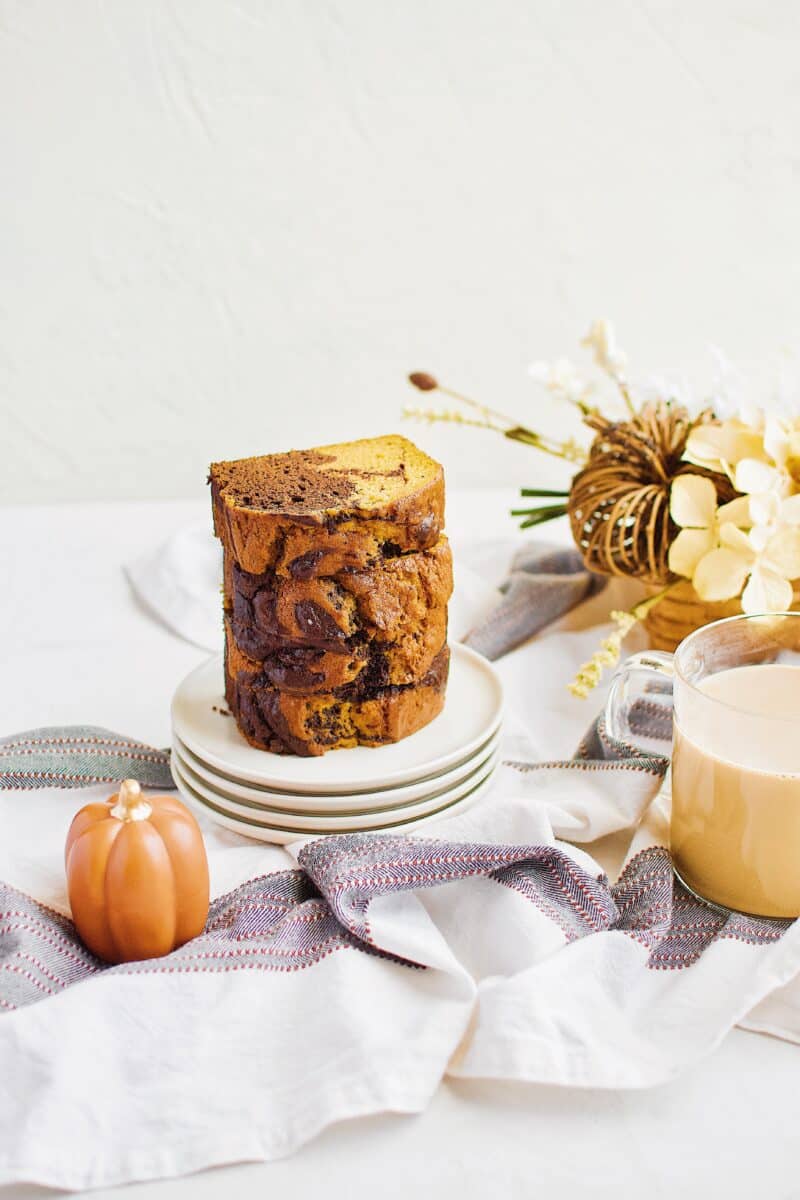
336,582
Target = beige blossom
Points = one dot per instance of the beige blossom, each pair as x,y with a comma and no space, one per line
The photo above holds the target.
693,506
721,446
762,576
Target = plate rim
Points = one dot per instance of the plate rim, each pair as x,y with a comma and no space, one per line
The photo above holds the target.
291,835
488,765
393,778
212,777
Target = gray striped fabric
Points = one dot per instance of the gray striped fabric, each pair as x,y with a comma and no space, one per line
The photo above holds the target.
293,919
74,756
544,583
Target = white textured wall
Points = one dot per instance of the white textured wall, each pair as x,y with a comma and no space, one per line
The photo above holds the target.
231,227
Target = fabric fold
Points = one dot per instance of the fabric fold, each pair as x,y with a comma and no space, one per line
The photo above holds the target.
349,975
544,583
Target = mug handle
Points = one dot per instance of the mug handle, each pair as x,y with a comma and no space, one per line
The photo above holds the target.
639,706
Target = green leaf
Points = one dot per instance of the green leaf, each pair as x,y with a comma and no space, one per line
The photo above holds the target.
538,516
556,509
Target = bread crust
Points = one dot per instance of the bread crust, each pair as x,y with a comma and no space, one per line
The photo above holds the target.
265,541
336,582
322,633
325,538
310,725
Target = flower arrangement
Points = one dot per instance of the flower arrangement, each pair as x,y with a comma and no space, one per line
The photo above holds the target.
703,500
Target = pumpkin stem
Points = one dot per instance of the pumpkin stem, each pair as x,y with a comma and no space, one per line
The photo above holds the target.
131,804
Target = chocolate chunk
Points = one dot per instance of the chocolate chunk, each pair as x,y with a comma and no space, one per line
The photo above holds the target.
243,610
246,584
315,624
288,675
260,716
265,610
293,669
427,530
256,643
303,567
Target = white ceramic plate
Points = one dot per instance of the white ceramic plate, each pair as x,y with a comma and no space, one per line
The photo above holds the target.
281,835
318,804
331,822
472,712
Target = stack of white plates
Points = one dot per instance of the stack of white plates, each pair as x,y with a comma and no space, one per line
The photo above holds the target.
436,772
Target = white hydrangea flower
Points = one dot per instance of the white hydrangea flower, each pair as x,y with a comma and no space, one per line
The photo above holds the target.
721,447
726,553
762,574
562,378
727,388
693,506
602,341
678,390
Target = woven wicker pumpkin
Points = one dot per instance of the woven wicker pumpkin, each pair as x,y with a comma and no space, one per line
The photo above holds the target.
681,612
619,513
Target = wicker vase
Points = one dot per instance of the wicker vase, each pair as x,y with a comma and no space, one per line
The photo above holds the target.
619,513
682,611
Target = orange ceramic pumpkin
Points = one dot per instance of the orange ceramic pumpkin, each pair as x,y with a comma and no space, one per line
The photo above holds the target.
137,875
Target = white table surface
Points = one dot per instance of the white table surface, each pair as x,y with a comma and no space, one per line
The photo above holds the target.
77,647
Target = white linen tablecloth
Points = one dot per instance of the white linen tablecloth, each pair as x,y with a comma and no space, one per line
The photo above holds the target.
78,648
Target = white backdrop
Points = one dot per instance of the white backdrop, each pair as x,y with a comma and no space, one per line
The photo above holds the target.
233,227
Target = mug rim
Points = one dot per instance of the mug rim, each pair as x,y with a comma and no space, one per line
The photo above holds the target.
713,699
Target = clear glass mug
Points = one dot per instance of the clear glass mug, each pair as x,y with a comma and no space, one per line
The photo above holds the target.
735,824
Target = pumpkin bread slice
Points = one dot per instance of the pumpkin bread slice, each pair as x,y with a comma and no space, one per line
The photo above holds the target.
308,513
318,634
286,723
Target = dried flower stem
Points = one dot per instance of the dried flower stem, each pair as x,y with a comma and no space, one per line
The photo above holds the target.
626,395
482,408
451,417
569,451
589,674
490,418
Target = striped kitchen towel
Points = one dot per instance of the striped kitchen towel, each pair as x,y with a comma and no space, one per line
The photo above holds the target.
544,583
349,975
76,756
